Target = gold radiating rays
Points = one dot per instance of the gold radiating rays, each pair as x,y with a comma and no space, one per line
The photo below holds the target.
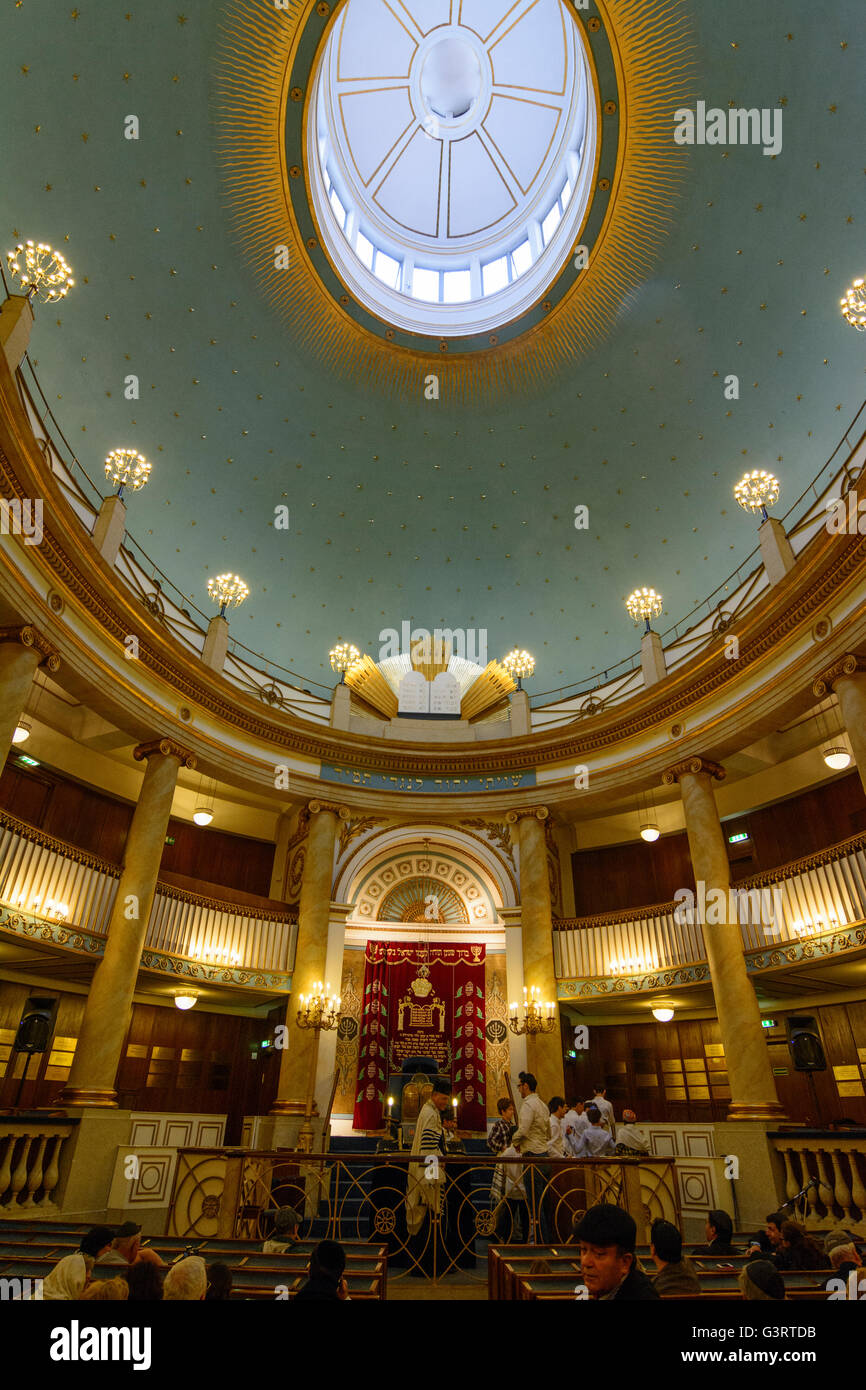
653,51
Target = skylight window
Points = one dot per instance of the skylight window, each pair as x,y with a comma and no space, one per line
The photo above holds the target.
457,286
425,284
445,227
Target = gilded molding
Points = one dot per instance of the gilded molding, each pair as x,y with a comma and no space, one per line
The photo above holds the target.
531,812
848,665
339,810
39,837
168,890
29,636
166,747
695,766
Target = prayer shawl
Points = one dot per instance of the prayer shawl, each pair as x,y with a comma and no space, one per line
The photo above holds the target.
577,1124
422,1192
507,1182
67,1279
632,1138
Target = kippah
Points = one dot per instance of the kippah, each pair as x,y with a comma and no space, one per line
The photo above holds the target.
607,1225
441,1088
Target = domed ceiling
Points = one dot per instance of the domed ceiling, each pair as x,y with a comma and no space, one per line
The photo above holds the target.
456,511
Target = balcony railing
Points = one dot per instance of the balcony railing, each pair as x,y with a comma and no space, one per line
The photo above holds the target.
59,894
814,898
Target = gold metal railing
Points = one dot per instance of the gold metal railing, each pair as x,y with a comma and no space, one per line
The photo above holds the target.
232,1193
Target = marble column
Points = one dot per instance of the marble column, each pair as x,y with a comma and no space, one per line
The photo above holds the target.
299,1056
753,1090
109,1001
22,650
847,677
543,1050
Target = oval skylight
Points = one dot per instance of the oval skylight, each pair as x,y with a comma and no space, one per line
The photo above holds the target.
451,151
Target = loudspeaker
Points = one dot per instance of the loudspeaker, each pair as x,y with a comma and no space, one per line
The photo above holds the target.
804,1043
36,1025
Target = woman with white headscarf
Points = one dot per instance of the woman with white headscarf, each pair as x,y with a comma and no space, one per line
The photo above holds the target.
67,1279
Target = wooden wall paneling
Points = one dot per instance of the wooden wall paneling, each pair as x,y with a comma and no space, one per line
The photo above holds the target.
232,860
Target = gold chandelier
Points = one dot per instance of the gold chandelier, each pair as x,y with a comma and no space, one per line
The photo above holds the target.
226,589
756,491
43,272
853,306
534,1021
127,468
319,1010
644,604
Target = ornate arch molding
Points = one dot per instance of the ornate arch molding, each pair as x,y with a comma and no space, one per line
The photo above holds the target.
464,862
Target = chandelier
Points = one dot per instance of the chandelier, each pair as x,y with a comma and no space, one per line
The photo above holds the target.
342,658
127,468
226,589
533,1021
853,306
756,491
319,1010
43,272
519,664
644,604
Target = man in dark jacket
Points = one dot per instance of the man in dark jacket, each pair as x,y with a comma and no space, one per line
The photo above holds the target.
719,1229
326,1283
675,1275
606,1237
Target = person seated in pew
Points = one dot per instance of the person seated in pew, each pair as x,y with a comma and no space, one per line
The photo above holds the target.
843,1260
675,1275
219,1283
630,1139
285,1232
144,1281
606,1237
761,1280
126,1248
595,1142
107,1291
326,1283
798,1250
766,1242
186,1281
66,1282
719,1229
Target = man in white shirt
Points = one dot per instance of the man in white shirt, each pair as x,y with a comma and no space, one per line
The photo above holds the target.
556,1146
573,1124
602,1104
595,1142
532,1136
630,1139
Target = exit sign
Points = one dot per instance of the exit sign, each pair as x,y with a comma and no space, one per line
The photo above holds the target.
768,1023
169,839
738,839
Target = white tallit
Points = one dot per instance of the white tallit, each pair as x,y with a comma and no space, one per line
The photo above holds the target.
422,1193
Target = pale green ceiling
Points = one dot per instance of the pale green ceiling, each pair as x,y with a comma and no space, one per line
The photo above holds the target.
444,514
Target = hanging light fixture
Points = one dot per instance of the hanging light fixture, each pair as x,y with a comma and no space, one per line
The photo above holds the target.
663,1015
23,730
204,811
649,830
834,750
185,1001
756,491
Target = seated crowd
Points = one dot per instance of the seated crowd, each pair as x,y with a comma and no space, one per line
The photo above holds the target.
143,1277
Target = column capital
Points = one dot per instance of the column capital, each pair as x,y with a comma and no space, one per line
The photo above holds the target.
29,636
167,748
694,765
342,812
848,665
527,812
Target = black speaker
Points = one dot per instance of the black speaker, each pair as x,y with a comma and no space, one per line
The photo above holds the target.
804,1043
36,1026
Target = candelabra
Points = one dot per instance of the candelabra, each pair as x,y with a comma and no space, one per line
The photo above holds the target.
645,604
853,306
226,589
756,491
533,1021
127,468
342,658
519,664
318,1011
43,273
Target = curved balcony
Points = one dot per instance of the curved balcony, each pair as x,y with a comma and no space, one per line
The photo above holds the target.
814,907
54,894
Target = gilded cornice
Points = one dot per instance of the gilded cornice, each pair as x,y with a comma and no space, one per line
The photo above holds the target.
167,748
695,766
527,812
29,636
265,914
338,809
848,665
827,565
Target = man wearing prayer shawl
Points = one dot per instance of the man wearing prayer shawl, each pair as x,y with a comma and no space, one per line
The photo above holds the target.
67,1280
426,1180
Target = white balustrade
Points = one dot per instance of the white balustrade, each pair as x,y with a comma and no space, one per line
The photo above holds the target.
68,890
817,895
839,1164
